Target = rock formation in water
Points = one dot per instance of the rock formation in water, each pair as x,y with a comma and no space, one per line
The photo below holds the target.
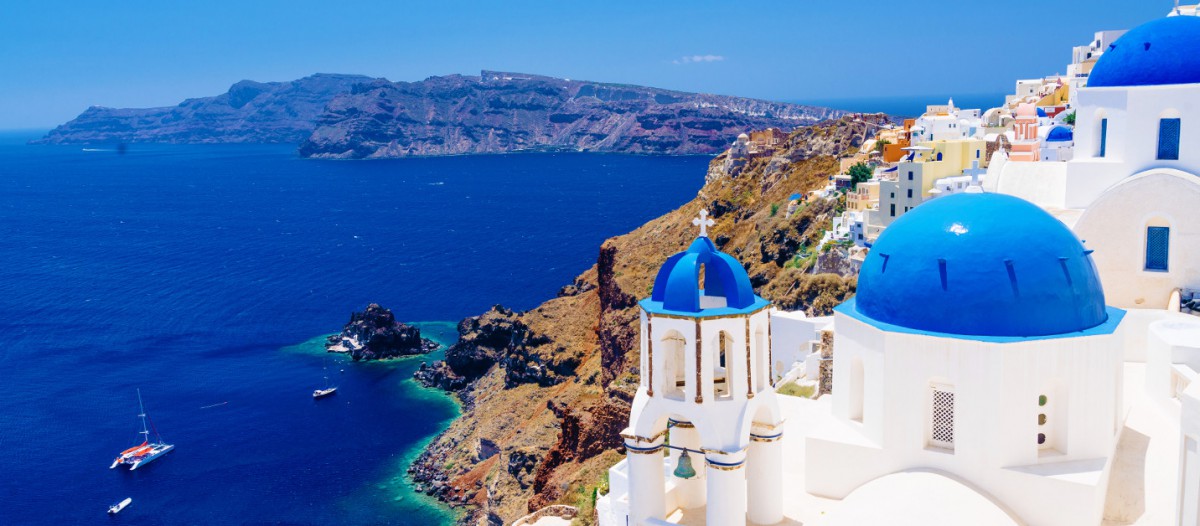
250,112
374,334
551,437
506,112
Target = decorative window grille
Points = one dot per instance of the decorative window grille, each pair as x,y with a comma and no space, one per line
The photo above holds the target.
1103,137
1157,247
942,430
1168,139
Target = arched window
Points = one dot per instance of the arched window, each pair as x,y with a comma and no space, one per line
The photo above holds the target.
674,377
939,156
1158,246
722,366
762,378
1168,139
857,388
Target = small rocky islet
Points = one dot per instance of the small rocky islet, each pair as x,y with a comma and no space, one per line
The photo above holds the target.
374,334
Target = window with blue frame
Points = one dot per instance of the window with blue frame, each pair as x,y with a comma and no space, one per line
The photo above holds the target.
939,156
1158,245
1103,137
1168,139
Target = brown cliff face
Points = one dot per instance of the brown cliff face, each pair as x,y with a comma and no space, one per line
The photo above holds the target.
555,442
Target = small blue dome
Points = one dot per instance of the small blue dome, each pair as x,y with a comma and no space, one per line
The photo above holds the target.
1060,134
727,286
980,265
1163,51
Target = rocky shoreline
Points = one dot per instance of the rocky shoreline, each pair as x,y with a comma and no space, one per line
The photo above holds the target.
374,334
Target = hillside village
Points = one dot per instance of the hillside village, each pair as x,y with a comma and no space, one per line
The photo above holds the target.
1022,347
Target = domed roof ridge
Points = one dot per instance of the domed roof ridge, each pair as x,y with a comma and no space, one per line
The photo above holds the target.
1162,51
677,285
981,265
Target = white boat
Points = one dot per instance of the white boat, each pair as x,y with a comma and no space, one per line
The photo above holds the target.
146,452
116,508
327,390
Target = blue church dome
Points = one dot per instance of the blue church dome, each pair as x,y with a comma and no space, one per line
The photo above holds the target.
727,286
976,264
1060,134
1163,51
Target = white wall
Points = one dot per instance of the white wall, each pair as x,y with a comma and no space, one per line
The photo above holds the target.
1133,116
996,417
1115,227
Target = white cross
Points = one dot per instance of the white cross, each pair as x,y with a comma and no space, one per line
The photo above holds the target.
974,171
703,222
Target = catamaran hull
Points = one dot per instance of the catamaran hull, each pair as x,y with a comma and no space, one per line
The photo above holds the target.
150,458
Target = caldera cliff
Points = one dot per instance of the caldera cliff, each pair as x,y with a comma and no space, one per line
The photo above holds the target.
546,392
506,112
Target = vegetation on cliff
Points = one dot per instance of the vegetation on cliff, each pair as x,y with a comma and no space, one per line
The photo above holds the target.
527,440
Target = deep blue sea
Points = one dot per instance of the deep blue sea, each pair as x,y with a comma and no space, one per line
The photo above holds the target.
207,275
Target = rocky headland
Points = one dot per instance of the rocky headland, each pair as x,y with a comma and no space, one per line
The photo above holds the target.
545,392
250,112
374,334
499,112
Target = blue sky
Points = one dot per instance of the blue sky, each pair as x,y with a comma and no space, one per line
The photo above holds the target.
58,58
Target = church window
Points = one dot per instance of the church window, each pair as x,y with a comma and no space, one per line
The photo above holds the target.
976,154
721,373
674,367
893,209
942,417
1168,139
939,156
910,175
910,193
1103,137
1157,247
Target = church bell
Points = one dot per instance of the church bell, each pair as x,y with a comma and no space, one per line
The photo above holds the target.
684,469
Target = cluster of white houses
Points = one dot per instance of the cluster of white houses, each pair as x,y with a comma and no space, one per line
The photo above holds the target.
1020,349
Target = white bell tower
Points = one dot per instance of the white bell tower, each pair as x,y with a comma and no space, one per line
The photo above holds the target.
706,383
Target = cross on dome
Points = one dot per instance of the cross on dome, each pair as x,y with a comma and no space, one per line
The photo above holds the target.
974,171
703,222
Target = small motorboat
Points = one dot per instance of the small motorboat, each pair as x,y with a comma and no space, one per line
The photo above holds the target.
116,508
328,390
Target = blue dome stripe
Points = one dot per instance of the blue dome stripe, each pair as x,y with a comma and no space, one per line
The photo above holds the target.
983,265
682,290
1163,51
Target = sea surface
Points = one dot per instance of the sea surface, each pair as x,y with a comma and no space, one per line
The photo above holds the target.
207,277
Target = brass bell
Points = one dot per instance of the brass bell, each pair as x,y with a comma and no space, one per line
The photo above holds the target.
684,469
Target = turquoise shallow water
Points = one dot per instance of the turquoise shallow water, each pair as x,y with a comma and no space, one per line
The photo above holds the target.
198,273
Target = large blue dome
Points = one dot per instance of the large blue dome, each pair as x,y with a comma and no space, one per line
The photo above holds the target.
727,286
1164,51
980,265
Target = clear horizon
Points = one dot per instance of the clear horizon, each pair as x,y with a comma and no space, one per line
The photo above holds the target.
59,61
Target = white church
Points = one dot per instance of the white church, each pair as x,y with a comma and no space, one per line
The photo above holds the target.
1020,353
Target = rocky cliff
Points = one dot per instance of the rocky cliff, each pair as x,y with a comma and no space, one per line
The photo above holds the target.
547,391
250,112
505,112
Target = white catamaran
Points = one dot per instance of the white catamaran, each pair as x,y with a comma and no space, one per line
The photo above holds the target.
147,451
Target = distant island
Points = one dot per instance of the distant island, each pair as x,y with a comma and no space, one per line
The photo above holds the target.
250,112
358,117
374,334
